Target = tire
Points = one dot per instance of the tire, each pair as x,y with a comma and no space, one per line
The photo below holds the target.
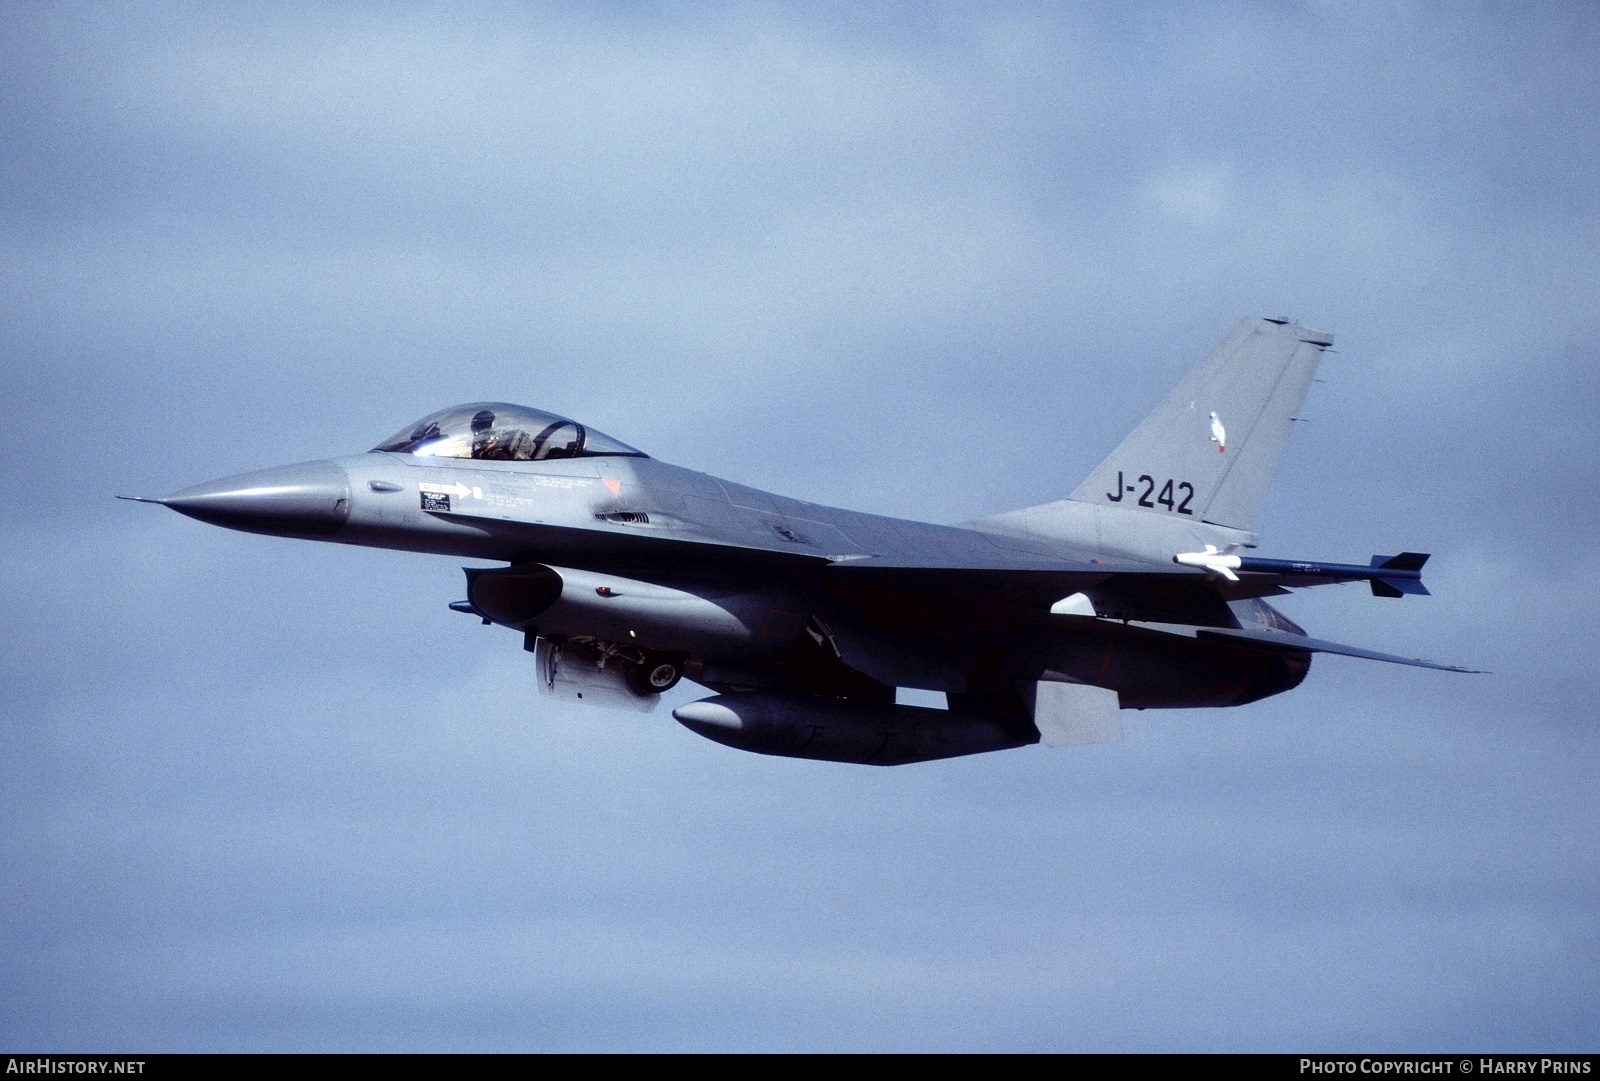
657,675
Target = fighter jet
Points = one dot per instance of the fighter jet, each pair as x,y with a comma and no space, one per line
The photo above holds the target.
624,574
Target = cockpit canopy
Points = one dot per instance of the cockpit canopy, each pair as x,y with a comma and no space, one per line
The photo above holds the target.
499,431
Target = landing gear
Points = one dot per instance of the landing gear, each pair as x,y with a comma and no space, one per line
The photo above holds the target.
657,674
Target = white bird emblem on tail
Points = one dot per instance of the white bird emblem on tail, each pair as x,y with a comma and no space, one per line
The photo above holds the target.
1219,434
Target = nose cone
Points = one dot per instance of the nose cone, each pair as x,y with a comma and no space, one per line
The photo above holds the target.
307,500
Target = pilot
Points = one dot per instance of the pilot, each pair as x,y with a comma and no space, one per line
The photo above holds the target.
486,441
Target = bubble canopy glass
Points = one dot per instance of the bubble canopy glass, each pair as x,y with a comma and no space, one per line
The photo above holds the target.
499,431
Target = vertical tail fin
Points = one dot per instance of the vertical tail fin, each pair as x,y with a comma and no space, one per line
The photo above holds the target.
1207,453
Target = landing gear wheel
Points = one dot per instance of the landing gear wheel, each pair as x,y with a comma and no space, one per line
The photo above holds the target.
657,675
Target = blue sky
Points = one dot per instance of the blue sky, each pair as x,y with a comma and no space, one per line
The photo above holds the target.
930,261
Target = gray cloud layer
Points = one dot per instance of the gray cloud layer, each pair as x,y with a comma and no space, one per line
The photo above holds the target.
932,262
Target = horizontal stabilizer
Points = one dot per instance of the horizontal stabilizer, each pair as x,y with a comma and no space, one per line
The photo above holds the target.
1271,639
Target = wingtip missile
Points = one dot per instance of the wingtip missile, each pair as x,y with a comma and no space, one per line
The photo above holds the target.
1388,576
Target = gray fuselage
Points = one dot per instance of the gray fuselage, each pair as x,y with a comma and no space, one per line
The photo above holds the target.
734,580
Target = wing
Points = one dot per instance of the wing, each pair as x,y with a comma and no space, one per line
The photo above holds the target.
1175,600
1119,589
974,580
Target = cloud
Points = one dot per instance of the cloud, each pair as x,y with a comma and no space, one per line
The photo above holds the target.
932,262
